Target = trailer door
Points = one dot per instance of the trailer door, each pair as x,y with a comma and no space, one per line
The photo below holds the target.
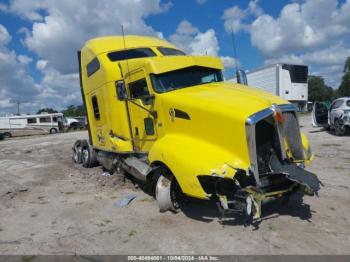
143,126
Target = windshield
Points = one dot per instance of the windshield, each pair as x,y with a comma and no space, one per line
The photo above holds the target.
184,78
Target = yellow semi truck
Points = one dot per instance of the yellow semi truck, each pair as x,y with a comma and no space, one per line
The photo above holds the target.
171,120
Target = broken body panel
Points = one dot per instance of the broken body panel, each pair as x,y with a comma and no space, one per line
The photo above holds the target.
217,139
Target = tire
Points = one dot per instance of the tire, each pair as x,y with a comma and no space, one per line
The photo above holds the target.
88,155
53,131
338,129
167,191
6,135
77,155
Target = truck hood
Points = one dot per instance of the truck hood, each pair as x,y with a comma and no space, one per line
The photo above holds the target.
222,98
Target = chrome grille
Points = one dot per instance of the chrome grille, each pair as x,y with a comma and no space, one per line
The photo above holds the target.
292,132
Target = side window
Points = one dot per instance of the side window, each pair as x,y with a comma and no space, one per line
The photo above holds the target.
45,119
138,89
95,107
54,119
92,67
31,120
348,103
336,104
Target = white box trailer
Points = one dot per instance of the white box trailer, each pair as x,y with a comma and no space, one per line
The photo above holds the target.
31,124
285,80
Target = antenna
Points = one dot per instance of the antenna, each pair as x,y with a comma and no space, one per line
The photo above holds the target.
234,50
127,62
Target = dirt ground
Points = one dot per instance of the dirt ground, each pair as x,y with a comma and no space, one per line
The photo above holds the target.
48,205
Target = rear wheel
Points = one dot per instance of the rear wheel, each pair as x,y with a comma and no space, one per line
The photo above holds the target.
167,191
53,131
88,154
339,129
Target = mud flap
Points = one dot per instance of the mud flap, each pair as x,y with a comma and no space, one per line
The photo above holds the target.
296,174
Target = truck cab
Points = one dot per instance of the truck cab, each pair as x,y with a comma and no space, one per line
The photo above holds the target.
171,120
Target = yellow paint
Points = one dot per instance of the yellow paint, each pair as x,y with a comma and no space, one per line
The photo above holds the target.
213,141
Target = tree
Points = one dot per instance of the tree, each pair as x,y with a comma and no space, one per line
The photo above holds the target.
318,90
47,110
73,110
347,65
344,88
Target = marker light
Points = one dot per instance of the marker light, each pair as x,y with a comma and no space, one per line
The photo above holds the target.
277,114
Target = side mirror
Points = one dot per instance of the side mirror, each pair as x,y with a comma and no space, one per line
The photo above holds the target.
241,77
121,90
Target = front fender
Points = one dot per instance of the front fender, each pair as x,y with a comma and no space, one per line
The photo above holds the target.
187,157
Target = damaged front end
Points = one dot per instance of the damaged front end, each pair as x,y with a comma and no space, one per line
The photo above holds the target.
277,158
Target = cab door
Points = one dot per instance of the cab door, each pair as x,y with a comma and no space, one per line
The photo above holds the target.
141,106
319,115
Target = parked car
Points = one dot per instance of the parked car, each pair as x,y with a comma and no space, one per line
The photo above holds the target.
336,117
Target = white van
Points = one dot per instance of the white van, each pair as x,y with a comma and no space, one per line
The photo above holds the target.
31,124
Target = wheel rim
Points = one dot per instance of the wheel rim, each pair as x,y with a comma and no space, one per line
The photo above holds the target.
77,153
85,154
166,195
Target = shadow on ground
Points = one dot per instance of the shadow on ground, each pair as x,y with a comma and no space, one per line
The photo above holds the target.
207,211
329,131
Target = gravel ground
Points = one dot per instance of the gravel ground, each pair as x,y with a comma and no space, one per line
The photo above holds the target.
48,205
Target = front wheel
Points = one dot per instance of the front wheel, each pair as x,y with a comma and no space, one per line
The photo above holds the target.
7,135
339,129
167,192
53,131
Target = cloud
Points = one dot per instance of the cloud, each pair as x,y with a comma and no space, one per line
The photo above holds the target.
192,41
312,24
234,17
200,2
68,24
15,81
24,60
315,32
229,62
5,103
328,62
333,55
58,29
5,37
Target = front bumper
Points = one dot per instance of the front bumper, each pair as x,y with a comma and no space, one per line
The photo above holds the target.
285,174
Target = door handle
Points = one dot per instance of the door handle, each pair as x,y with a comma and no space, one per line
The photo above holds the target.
136,131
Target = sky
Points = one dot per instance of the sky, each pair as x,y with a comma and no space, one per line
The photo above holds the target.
39,39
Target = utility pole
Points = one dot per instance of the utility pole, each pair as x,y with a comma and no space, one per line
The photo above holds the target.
18,103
